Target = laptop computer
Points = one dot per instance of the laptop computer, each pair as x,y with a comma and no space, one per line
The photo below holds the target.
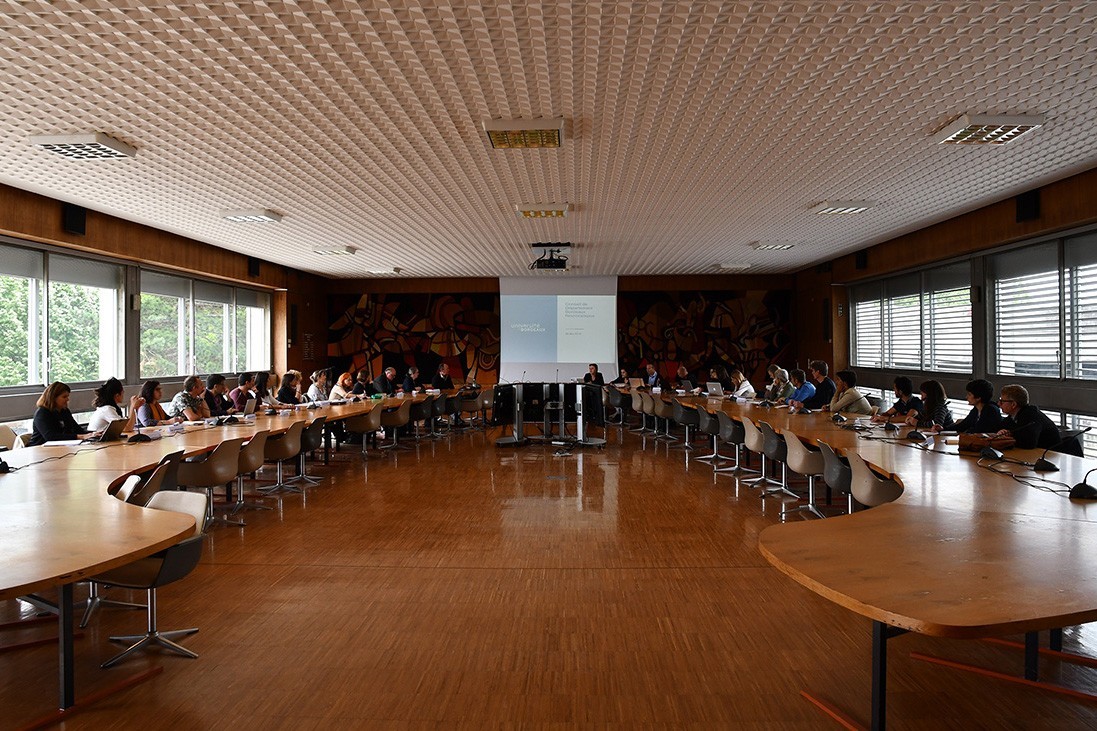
636,383
714,388
249,407
112,433
686,386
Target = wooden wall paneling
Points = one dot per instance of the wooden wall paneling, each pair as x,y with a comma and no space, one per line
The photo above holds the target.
813,292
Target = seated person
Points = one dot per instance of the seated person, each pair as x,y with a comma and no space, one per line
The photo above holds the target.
622,378
344,385
1030,427
781,389
108,406
740,386
824,387
363,384
189,403
216,400
593,375
681,376
441,379
985,417
770,391
846,396
287,393
386,382
413,383
318,391
651,378
905,400
298,385
151,413
934,415
53,421
802,388
265,383
719,374
240,395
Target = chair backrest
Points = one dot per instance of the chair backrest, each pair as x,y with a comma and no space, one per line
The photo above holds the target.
167,470
128,487
252,453
685,414
731,431
21,440
836,471
180,501
800,458
421,410
438,406
285,445
614,397
219,468
1070,442
398,416
773,444
707,423
663,409
752,437
867,487
312,438
7,436
647,404
637,402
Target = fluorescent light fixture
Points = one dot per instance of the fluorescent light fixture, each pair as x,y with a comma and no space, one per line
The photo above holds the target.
516,134
252,215
393,270
730,266
97,146
842,208
772,245
542,210
986,129
333,250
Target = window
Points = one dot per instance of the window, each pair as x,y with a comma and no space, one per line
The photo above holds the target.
1026,321
84,305
230,333
916,322
1080,306
22,314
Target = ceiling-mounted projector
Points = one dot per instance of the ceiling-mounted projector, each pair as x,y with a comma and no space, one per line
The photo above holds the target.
551,259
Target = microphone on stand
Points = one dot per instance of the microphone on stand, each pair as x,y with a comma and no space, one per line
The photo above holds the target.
1044,465
523,377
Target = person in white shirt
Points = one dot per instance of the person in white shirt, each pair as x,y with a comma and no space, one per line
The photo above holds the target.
108,400
318,391
741,387
341,390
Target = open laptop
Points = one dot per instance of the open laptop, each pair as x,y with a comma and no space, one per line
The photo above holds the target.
686,386
714,388
249,407
636,383
112,433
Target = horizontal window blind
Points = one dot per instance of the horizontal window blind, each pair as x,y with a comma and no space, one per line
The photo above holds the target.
1026,311
1080,297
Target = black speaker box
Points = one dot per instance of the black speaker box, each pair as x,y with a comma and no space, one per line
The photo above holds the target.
74,219
1028,206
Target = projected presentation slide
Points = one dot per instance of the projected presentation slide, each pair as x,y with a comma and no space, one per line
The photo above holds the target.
549,336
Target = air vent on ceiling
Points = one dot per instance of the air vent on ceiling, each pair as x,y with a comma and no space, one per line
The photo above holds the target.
986,129
542,210
842,208
772,245
252,215
97,146
515,134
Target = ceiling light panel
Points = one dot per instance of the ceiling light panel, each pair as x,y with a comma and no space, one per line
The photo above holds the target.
334,250
542,210
772,245
842,208
97,146
986,129
511,134
252,215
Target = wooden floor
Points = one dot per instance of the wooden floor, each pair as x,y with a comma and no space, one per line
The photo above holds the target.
464,586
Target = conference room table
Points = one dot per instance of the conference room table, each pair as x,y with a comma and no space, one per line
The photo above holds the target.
965,552
59,524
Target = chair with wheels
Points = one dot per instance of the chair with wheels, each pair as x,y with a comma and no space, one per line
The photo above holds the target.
808,462
278,449
218,468
836,473
252,455
161,569
867,487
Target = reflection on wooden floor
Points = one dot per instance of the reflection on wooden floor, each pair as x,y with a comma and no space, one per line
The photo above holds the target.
460,585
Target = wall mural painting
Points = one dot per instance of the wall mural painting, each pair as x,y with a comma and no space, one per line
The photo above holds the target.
700,329
375,331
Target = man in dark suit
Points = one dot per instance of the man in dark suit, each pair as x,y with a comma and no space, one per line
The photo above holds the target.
386,382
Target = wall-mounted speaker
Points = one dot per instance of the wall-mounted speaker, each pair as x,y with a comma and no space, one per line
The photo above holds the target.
74,219
1028,206
860,260
253,266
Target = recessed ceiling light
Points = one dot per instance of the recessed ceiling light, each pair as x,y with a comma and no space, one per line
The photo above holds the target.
986,129
772,245
393,270
842,208
333,250
97,146
513,134
542,210
253,215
